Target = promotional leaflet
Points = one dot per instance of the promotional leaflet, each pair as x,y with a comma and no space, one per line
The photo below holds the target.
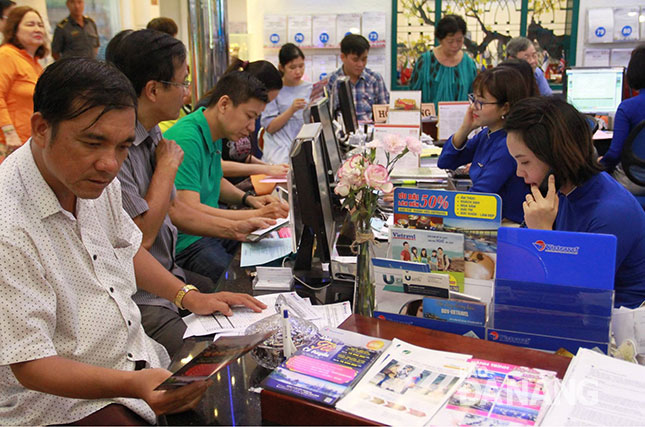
406,385
442,252
347,23
299,30
411,277
470,313
476,216
500,394
325,370
324,31
197,361
275,31
374,28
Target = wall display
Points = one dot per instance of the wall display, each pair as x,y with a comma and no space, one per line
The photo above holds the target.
299,30
600,25
275,30
620,57
324,31
322,66
374,28
309,69
597,57
347,23
626,24
377,63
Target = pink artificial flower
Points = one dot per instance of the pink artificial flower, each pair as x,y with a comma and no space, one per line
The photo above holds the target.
414,145
351,171
376,176
342,188
393,143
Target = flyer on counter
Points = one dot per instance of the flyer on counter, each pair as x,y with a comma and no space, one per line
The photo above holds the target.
475,215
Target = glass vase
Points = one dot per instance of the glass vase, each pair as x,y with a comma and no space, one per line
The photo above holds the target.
364,290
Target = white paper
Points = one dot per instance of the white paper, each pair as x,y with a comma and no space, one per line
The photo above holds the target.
376,63
263,251
406,385
273,278
596,57
299,29
347,23
275,30
332,315
626,24
374,28
324,31
600,25
598,390
450,115
620,57
322,66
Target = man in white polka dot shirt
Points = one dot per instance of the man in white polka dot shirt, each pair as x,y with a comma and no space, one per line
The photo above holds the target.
72,348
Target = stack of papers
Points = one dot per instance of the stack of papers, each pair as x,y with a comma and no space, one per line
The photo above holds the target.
322,316
598,390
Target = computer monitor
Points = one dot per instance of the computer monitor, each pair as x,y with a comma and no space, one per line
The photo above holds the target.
346,104
313,211
330,149
594,90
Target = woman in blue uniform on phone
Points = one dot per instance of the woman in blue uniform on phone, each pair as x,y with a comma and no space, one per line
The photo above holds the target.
551,142
492,169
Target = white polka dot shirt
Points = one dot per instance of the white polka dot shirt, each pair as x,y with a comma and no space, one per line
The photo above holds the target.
66,286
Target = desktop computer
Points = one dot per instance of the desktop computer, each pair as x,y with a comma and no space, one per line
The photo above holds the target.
594,90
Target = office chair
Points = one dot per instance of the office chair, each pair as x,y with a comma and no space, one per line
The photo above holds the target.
633,157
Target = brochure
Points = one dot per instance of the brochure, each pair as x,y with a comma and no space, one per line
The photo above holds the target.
205,358
476,216
410,277
407,385
500,394
471,313
325,370
443,252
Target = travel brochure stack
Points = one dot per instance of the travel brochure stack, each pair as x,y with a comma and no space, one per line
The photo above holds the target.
402,384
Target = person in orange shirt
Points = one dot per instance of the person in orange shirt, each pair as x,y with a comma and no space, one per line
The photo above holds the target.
23,44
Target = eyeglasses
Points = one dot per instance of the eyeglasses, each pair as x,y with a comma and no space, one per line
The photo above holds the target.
186,84
477,103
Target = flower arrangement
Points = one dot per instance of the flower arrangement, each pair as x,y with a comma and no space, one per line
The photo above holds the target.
360,181
361,178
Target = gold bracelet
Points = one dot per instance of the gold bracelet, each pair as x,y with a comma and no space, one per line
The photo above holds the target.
179,298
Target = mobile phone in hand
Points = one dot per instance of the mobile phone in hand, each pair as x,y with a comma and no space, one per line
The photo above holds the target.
544,185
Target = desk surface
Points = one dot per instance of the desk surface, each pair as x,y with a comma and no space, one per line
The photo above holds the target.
281,409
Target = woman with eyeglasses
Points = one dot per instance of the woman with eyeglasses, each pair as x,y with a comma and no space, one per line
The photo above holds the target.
445,73
492,168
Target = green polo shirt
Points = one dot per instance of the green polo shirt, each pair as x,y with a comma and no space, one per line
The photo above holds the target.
201,170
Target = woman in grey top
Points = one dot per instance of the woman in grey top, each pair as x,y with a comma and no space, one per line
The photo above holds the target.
283,117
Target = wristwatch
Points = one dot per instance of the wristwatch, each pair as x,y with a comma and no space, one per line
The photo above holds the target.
246,196
179,298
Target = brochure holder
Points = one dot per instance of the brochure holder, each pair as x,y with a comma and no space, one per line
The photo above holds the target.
553,289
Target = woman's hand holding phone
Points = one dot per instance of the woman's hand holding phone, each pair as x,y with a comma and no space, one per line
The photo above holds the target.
540,211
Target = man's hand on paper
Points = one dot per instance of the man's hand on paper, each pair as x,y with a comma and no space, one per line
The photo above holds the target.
259,201
167,401
277,170
243,228
200,303
540,212
275,209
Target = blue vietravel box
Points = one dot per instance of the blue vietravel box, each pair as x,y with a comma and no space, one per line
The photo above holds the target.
554,285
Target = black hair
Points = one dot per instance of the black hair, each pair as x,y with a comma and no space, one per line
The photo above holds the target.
449,24
239,86
505,84
10,30
262,70
526,71
558,135
72,86
163,24
147,55
113,45
5,4
289,52
636,68
354,44
412,307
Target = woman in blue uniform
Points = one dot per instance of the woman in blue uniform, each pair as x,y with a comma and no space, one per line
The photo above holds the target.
492,169
547,136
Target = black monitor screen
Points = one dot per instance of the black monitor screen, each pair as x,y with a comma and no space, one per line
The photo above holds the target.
331,150
346,103
312,193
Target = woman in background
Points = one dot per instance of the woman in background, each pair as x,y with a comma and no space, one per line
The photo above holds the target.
23,45
551,141
283,117
492,169
630,113
5,8
445,73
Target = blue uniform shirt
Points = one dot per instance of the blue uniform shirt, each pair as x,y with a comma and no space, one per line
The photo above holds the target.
492,169
602,205
630,113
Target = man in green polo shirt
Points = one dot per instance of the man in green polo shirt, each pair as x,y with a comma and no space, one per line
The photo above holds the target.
238,99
